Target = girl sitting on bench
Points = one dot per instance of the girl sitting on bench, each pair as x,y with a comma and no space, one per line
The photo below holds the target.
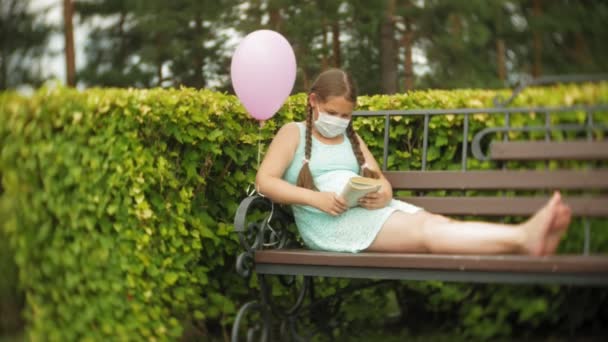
308,161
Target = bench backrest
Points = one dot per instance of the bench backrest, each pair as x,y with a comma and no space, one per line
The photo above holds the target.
584,182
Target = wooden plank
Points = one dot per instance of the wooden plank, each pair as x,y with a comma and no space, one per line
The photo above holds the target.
502,206
494,180
485,277
549,150
496,263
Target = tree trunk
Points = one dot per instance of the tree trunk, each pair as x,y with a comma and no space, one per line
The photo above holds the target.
305,80
301,50
325,59
3,70
70,63
335,31
408,66
159,60
122,54
199,58
159,73
5,53
581,51
388,50
500,59
538,44
275,19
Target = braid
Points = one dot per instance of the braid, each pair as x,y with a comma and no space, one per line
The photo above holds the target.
305,177
308,146
352,136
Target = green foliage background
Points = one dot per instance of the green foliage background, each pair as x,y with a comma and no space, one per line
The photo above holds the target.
118,205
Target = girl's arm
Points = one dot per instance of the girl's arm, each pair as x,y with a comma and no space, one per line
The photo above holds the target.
280,153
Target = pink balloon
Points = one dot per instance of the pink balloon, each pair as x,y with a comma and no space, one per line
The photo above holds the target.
263,72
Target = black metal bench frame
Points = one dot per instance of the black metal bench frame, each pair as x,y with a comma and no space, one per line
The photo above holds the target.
269,248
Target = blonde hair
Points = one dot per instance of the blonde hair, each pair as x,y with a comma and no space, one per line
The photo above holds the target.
333,82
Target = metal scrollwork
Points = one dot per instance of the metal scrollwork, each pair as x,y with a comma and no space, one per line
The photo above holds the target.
261,329
244,264
268,232
476,144
524,81
260,224
291,316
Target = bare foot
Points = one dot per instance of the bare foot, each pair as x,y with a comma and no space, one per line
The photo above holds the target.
558,228
538,226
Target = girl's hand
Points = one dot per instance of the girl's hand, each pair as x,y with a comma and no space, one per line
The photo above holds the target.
376,200
330,203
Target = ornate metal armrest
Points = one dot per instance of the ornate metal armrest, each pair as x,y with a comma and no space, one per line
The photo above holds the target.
260,224
476,143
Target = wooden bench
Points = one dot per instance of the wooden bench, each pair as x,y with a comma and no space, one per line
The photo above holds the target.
266,240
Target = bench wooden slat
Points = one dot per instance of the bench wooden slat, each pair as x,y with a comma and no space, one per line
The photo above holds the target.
501,206
484,277
500,263
493,180
549,150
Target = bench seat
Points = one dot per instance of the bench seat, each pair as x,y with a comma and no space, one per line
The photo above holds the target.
560,269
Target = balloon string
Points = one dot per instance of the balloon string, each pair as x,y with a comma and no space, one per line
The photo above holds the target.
259,144
252,188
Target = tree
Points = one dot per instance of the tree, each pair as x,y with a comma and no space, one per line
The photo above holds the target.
155,43
408,34
388,50
362,48
183,37
538,45
569,36
466,43
23,38
111,50
70,62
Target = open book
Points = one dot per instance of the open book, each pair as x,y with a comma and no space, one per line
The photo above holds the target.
358,187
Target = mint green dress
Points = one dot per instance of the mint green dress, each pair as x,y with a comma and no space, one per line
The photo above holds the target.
331,167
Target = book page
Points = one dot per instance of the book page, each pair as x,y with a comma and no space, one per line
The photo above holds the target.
358,187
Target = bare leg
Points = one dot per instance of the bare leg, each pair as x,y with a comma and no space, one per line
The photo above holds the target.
426,232
439,234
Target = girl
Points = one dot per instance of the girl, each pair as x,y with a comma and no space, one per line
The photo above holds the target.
307,163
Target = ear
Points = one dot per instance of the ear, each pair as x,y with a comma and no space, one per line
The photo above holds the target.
312,99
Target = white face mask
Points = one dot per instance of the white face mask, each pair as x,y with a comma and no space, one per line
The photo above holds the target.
330,126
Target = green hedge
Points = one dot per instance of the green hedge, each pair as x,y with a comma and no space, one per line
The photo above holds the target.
11,298
119,206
